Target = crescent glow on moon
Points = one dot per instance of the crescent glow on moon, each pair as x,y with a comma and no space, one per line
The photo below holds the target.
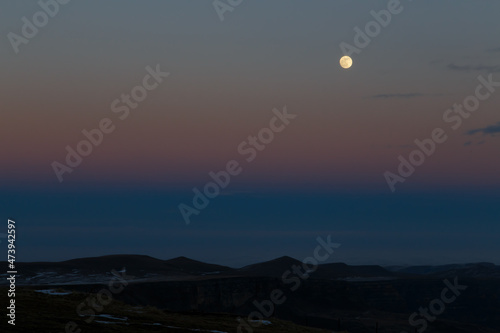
345,62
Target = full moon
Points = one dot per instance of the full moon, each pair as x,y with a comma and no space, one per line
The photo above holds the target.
345,62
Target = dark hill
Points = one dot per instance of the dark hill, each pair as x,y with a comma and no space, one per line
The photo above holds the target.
272,268
134,264
195,267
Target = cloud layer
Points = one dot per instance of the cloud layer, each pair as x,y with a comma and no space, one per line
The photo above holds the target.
492,129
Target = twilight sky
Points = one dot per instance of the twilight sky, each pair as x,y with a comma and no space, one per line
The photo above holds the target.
322,174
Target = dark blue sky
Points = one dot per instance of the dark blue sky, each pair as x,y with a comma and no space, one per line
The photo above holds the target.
254,225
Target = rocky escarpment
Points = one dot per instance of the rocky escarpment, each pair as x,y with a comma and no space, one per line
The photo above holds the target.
317,300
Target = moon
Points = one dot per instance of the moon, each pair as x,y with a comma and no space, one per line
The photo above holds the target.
346,62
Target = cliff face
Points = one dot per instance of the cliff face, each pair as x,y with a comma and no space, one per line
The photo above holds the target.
316,299
212,295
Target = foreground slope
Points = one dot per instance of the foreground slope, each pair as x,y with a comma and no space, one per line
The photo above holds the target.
44,313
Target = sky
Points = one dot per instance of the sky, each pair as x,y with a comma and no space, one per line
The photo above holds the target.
323,173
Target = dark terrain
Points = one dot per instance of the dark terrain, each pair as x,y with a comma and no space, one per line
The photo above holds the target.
336,296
